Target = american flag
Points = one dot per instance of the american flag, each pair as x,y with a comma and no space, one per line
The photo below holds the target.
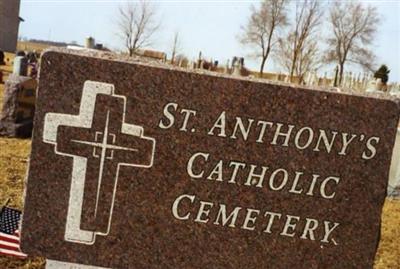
9,233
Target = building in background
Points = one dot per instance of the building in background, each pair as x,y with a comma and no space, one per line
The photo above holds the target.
9,24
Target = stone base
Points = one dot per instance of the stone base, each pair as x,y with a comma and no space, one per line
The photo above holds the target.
20,130
394,193
51,264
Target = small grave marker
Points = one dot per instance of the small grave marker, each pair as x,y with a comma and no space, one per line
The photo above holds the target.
136,165
16,118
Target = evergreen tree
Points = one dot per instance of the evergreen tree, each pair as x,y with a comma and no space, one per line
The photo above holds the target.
382,73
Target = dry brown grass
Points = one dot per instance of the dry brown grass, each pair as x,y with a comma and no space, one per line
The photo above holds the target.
388,256
13,162
31,46
6,70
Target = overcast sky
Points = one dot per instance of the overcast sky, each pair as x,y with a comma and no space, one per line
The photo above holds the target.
208,26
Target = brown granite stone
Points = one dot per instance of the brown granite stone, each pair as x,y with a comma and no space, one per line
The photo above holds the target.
318,206
16,117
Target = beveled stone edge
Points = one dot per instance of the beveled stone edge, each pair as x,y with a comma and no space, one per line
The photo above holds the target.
113,57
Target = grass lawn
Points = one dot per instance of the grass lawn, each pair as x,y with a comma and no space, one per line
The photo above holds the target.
13,162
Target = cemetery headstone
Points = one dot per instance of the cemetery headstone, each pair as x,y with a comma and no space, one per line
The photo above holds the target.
20,67
394,174
142,165
2,58
396,193
9,24
16,119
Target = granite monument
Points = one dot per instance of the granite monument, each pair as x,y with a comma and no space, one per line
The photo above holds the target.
142,165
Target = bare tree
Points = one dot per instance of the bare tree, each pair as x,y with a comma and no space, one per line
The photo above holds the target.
137,24
263,26
353,27
298,52
175,47
307,58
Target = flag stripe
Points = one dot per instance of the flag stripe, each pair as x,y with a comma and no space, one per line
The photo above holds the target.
7,242
13,253
9,238
8,246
